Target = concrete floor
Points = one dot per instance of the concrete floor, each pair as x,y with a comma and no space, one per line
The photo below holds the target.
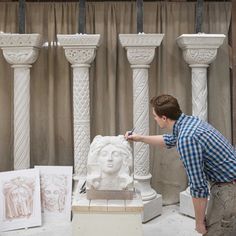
170,223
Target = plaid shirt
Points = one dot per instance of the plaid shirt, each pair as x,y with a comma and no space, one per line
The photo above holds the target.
206,154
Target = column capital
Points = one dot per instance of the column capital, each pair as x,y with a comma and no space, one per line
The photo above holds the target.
79,48
200,49
20,49
140,47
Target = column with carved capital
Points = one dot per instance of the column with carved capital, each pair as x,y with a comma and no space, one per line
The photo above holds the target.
80,51
199,50
21,50
140,52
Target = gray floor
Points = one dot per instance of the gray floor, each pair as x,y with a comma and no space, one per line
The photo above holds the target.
170,223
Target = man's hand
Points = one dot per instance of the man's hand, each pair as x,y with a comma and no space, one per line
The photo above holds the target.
200,209
156,140
133,137
201,228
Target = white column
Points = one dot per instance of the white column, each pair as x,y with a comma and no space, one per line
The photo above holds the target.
21,50
199,91
81,116
140,52
80,51
141,124
199,50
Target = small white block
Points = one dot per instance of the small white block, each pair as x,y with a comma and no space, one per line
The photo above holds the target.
98,205
116,205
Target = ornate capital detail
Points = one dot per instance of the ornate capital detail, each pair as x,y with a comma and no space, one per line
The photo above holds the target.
140,47
80,55
137,40
79,48
200,56
20,49
140,56
19,56
76,40
200,48
20,40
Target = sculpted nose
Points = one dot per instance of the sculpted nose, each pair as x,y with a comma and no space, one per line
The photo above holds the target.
110,157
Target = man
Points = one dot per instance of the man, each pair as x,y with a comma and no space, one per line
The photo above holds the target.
207,157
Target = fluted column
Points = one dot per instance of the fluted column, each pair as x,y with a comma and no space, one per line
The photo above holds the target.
21,50
199,50
80,51
140,52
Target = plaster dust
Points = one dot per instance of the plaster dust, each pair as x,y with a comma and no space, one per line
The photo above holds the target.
170,223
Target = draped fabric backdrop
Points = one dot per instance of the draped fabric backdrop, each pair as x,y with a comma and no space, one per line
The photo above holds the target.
110,79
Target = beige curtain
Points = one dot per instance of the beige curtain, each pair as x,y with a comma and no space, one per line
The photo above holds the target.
110,79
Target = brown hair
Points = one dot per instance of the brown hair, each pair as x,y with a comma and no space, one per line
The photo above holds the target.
166,105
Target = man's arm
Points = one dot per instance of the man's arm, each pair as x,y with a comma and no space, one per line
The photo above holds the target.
156,140
200,205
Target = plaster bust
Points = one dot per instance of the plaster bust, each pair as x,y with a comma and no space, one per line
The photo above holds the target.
109,163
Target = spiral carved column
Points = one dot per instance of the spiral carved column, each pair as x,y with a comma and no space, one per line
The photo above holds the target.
21,50
199,91
21,117
80,51
199,50
141,124
140,53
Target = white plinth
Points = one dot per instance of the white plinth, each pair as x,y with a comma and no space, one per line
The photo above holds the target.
186,204
100,224
107,217
152,208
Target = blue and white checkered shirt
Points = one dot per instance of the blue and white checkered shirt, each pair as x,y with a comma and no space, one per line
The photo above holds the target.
206,154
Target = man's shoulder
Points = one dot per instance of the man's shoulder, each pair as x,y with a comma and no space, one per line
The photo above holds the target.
189,126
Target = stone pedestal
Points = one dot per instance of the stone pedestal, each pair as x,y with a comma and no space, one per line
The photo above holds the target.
80,51
199,50
107,217
21,50
140,52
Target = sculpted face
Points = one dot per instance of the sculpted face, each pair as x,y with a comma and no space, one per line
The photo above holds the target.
110,159
109,164
51,196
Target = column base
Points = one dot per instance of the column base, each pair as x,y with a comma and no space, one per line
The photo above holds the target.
152,208
142,184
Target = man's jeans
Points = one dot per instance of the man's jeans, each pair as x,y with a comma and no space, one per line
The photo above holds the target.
221,211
